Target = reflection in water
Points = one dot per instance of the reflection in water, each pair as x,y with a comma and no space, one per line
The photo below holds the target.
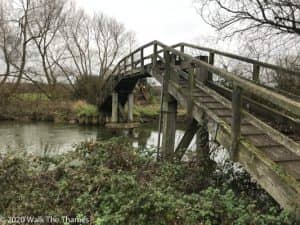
51,139
40,138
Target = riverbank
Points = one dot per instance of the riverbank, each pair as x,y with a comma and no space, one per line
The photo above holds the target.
112,183
37,107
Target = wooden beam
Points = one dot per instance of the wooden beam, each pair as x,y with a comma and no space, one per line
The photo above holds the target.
142,60
236,121
255,74
115,107
191,77
130,107
243,59
202,144
211,61
185,141
168,127
169,111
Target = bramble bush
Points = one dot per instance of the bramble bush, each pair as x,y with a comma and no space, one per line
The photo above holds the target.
112,183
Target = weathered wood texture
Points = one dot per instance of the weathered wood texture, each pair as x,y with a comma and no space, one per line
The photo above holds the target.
271,157
185,141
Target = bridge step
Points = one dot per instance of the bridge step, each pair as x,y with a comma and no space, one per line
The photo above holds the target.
293,167
262,141
250,130
280,154
215,106
273,150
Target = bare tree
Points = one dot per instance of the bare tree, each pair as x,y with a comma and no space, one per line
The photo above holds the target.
280,15
41,40
15,18
93,44
5,34
270,24
46,19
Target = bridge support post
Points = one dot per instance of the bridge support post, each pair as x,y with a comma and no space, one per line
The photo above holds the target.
130,107
205,163
169,112
169,127
115,107
202,144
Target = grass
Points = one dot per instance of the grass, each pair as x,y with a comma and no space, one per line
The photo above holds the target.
149,111
32,97
83,108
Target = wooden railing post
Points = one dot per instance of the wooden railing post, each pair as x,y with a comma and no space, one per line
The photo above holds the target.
236,121
119,70
211,61
154,59
173,75
125,63
191,92
142,60
132,62
255,74
182,48
201,72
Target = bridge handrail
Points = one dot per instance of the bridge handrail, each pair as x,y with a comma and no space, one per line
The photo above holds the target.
271,96
240,58
277,99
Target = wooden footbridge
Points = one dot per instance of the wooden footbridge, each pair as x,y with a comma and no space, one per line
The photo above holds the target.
242,116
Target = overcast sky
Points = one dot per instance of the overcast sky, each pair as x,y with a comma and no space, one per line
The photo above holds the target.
169,21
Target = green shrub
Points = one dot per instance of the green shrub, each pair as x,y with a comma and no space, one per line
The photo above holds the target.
112,183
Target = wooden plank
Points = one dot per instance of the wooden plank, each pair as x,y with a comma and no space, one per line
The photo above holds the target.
215,106
292,167
185,141
295,137
211,61
228,120
255,74
200,95
284,188
236,121
262,141
250,130
223,112
208,99
280,154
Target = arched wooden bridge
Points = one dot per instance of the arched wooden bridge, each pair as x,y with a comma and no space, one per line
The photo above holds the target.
242,116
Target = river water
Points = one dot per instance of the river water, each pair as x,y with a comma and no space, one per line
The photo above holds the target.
49,138
42,138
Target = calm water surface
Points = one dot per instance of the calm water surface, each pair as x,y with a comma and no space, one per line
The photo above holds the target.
40,138
52,139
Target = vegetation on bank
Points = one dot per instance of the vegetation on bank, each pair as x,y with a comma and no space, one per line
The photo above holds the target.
112,183
38,107
152,111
